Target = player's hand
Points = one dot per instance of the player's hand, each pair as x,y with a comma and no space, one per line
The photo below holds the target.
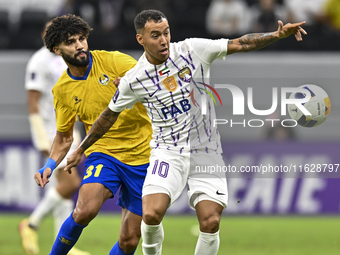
117,81
288,29
43,179
73,160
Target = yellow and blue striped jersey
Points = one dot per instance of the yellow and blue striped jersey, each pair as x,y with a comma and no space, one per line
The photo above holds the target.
86,97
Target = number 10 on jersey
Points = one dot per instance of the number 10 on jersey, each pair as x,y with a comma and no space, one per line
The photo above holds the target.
161,169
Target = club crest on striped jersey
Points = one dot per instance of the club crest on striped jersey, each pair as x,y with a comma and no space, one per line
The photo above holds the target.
104,79
185,74
170,83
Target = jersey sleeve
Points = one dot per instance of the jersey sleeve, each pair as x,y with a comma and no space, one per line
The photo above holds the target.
124,98
209,50
37,76
122,63
65,117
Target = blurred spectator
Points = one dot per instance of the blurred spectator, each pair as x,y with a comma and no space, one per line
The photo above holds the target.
88,10
133,7
255,2
110,13
52,7
227,18
112,20
302,10
332,13
100,14
161,5
320,34
266,14
13,7
66,8
190,19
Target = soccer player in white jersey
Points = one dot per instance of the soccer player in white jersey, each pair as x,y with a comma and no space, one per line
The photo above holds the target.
183,132
42,72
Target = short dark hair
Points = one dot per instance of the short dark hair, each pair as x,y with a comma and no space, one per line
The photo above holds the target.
146,16
61,28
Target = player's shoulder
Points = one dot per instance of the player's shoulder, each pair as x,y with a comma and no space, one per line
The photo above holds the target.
100,54
109,54
42,52
116,60
192,42
62,81
201,45
40,57
185,45
137,70
186,42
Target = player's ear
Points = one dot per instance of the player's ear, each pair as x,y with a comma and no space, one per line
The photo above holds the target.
57,50
140,40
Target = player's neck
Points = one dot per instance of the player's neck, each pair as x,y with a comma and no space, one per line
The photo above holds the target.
152,60
77,71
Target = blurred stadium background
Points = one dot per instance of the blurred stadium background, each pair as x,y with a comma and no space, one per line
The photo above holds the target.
284,214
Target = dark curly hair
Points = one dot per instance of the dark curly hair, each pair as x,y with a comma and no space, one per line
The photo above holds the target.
147,15
61,28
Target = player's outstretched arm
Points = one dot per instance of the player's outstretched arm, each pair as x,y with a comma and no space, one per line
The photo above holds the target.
104,122
257,41
61,145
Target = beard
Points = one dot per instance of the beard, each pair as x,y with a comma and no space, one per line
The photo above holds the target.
83,62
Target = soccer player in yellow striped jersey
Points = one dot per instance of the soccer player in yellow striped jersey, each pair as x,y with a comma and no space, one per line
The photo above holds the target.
120,158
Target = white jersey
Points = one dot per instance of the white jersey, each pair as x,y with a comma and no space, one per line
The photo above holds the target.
172,94
42,72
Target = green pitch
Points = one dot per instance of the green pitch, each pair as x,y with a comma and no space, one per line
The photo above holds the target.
239,235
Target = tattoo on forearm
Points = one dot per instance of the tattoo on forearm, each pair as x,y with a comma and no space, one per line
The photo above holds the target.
256,41
100,127
110,117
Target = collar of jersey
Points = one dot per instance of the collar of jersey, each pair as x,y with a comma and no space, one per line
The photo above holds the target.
146,62
87,71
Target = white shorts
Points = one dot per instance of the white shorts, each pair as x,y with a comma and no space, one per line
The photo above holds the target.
169,172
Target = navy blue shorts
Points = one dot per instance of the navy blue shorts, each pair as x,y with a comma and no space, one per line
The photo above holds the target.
104,169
